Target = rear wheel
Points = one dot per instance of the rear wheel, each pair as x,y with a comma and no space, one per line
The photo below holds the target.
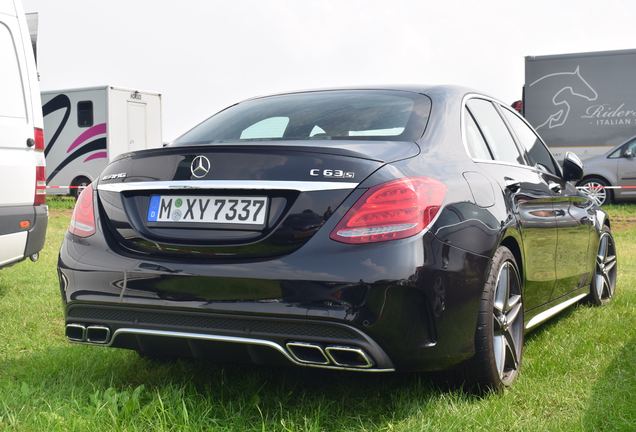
604,281
78,185
596,188
499,337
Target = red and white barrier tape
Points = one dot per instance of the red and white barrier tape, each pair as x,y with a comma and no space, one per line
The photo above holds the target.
605,187
65,187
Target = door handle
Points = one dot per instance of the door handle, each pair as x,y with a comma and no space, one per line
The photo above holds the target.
30,142
512,185
555,187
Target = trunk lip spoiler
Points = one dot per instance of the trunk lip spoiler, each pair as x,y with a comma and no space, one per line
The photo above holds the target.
302,186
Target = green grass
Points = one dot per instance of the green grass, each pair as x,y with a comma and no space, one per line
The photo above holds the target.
579,374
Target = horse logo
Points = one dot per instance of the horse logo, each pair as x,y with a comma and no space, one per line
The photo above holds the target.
569,84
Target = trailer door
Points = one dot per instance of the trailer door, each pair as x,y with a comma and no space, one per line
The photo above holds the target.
136,126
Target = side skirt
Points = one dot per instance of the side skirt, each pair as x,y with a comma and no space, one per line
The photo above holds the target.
547,311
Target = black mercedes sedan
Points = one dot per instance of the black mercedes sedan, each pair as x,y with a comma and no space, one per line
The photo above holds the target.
371,230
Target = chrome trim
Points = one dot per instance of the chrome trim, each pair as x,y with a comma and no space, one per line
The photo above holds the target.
306,345
548,313
232,339
98,328
79,326
302,186
348,349
462,126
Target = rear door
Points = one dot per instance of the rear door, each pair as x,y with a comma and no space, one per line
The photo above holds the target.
17,163
136,125
529,196
570,209
17,159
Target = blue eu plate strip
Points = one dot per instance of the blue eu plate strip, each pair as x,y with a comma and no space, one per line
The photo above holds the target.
153,208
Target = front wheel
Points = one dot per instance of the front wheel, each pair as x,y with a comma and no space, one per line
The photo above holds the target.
595,188
500,332
604,281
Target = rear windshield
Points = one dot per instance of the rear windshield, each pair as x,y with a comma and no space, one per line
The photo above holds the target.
338,114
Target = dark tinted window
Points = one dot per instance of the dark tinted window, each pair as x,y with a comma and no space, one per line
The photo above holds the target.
495,131
85,113
538,154
340,114
475,141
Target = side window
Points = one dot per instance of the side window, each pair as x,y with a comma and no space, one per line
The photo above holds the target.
538,154
85,113
495,131
475,141
630,148
272,127
12,103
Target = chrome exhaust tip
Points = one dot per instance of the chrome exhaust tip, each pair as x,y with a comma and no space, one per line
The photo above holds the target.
348,357
76,332
97,334
307,353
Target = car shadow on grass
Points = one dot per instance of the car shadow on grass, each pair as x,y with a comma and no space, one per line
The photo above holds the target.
65,375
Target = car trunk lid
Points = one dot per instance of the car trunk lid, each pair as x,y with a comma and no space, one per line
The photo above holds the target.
300,185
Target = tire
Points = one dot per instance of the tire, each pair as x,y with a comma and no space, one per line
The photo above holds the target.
594,187
81,182
499,335
603,286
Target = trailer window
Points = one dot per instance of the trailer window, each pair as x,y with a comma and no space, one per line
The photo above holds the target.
85,113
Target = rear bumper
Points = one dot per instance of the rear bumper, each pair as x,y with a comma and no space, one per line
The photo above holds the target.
409,305
21,243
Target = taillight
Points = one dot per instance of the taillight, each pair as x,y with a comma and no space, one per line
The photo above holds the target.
83,219
40,186
38,137
390,211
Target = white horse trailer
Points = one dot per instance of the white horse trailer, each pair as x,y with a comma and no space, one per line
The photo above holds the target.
86,128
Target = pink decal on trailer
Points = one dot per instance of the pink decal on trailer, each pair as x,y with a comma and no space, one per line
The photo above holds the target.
97,155
86,135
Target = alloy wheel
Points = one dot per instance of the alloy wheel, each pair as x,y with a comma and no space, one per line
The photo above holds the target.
596,191
605,272
508,322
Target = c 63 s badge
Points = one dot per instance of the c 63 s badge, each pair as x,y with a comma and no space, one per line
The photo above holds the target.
331,173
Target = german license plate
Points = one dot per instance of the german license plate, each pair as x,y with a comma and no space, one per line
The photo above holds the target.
238,210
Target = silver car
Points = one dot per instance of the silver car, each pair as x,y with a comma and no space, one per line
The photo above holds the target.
614,168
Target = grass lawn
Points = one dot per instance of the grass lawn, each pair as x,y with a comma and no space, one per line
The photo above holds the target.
579,373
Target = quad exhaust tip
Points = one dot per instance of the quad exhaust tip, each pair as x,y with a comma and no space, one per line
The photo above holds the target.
340,356
94,334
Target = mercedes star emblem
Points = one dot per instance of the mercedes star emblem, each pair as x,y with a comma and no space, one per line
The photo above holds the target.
200,166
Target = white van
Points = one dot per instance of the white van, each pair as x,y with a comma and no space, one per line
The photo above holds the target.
86,128
23,210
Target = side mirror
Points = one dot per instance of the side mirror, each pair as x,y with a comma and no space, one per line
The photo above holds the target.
572,167
629,154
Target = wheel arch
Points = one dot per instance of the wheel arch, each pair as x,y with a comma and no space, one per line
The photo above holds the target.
597,176
514,245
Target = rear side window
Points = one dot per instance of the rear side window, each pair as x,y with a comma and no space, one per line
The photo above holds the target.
85,113
378,115
12,103
495,131
538,154
475,141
